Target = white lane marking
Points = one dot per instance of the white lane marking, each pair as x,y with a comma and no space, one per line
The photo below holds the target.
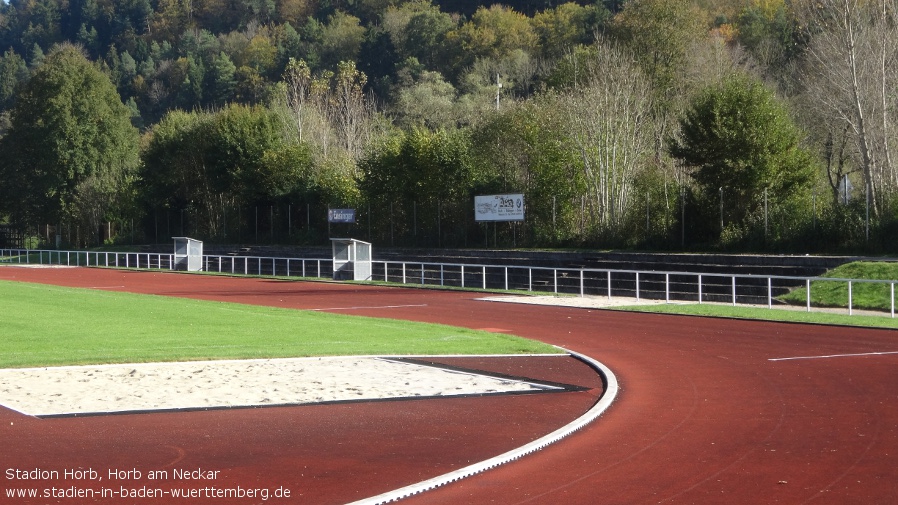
835,356
379,307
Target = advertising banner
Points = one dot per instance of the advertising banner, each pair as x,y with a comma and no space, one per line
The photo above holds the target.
341,215
499,207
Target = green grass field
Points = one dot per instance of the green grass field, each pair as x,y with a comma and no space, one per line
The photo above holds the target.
872,296
49,325
824,294
764,314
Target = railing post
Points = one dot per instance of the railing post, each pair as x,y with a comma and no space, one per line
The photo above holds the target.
769,293
422,274
892,296
529,279
609,284
403,273
442,277
637,286
667,288
807,283
734,291
484,276
581,283
462,276
849,299
555,278
506,278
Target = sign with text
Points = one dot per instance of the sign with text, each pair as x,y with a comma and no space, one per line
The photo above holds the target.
499,207
341,215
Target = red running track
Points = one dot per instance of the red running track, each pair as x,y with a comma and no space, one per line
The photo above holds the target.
707,412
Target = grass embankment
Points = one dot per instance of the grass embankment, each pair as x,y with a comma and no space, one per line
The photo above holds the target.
48,325
824,294
869,296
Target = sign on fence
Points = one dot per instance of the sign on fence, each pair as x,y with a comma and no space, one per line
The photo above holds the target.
341,215
499,207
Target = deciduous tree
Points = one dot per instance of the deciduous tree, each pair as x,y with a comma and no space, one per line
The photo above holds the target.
737,137
851,76
71,151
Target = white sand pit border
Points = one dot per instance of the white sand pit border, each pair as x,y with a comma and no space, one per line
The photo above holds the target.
199,385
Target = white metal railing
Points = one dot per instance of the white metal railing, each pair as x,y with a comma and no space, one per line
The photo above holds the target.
667,285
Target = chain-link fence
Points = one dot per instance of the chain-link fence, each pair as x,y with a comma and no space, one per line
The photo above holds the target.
656,219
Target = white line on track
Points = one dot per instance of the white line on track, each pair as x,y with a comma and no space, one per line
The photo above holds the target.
378,307
835,356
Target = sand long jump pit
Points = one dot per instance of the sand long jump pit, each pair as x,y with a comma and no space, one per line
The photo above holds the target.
202,385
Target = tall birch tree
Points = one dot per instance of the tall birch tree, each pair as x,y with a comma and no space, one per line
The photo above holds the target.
610,126
850,76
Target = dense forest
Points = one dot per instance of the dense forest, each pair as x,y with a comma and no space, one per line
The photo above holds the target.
741,125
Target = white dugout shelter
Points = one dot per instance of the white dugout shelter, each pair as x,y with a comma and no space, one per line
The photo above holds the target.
352,259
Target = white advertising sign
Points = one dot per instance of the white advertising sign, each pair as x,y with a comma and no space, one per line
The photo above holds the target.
499,207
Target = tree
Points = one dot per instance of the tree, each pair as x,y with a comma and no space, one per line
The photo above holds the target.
329,110
210,163
170,19
526,148
422,173
352,111
610,127
71,150
491,33
259,54
739,139
567,26
341,39
294,11
425,36
420,165
660,34
850,76
428,101
298,81
13,71
221,80
770,31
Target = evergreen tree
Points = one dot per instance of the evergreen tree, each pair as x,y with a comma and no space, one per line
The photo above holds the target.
13,70
222,80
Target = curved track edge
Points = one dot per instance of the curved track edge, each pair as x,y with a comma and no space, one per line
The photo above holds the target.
611,390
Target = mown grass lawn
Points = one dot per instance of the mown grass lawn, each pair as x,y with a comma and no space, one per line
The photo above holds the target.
872,296
48,325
